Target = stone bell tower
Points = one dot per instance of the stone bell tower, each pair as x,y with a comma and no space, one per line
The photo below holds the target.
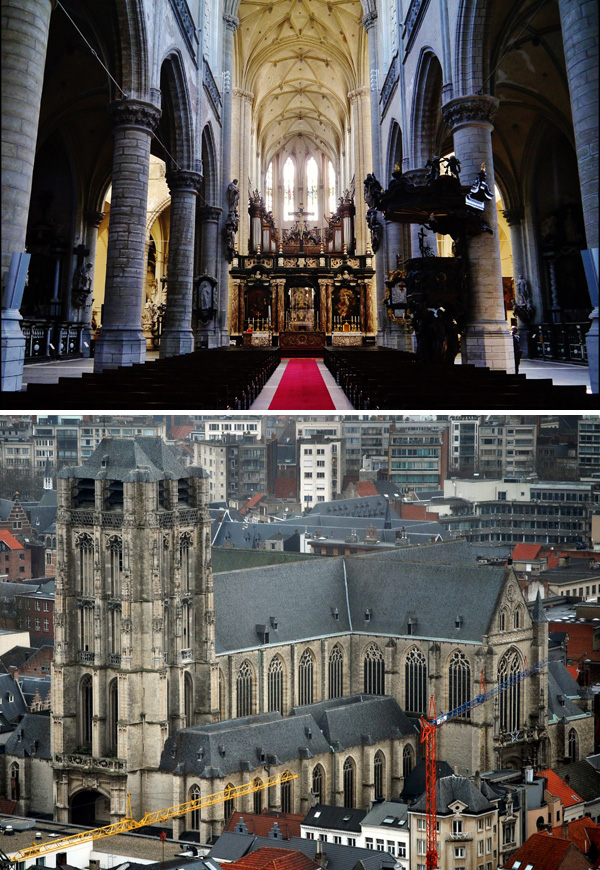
134,622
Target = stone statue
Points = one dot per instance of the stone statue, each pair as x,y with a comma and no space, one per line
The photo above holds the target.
452,165
372,192
523,306
233,195
434,169
82,284
205,294
376,228
148,317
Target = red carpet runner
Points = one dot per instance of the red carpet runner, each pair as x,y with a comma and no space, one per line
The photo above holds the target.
302,388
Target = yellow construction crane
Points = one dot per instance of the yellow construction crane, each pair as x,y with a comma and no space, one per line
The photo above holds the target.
129,824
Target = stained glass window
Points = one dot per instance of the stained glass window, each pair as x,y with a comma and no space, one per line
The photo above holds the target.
331,188
312,188
288,189
269,188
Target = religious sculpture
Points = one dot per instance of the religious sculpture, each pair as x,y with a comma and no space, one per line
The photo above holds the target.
82,285
523,307
233,219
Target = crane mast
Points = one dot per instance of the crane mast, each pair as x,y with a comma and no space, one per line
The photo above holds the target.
129,824
429,728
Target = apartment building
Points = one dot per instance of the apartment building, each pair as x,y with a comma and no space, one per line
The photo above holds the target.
217,428
588,445
238,467
321,469
507,447
418,455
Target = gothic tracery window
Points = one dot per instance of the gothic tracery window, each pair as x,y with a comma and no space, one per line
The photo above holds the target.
312,188
269,188
306,669
115,545
86,706
286,795
510,699
331,188
188,699
378,772
407,761
318,781
275,685
349,772
289,180
229,803
185,561
336,672
415,681
573,746
459,682
258,797
244,689
113,713
374,671
85,547
195,814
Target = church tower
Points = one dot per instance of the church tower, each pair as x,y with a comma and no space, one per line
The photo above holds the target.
134,654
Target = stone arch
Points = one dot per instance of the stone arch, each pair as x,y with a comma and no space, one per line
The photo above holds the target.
379,774
210,167
276,682
426,117
470,66
85,807
135,62
176,123
394,149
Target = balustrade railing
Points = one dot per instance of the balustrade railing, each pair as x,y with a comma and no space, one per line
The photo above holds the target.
60,340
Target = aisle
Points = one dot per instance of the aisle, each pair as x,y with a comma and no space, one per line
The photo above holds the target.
301,384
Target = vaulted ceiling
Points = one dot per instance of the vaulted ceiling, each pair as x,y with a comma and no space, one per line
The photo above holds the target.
300,59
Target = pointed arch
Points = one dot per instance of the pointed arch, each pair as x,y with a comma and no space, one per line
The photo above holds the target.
415,681
135,60
86,707
306,672
373,671
336,672
287,794
275,684
177,122
318,783
394,150
194,795
459,682
210,167
229,802
470,58
245,686
407,761
510,701
426,116
349,782
379,774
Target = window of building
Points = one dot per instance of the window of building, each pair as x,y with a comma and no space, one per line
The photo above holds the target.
286,795
269,188
459,683
459,851
258,797
378,774
318,780
457,826
336,672
229,803
510,700
46,625
374,671
306,678
289,175
415,679
86,706
369,842
275,685
331,188
407,761
312,189
85,548
244,689
573,745
113,714
349,772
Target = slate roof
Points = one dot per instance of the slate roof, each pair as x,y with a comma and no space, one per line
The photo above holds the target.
414,784
128,459
368,506
11,709
234,559
31,685
456,788
42,514
335,818
395,815
31,738
262,824
562,688
583,777
358,720
304,598
5,508
232,846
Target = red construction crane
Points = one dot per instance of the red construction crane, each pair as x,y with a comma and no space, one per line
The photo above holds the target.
429,729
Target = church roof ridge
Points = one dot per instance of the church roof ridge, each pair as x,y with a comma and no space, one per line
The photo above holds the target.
127,459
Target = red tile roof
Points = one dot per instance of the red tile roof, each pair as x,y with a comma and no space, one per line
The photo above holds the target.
262,824
542,851
285,487
253,501
181,432
526,551
10,540
581,832
560,789
275,858
365,488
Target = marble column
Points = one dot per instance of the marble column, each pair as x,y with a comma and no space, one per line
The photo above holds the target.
207,222
579,22
230,23
93,219
486,340
121,340
177,336
25,26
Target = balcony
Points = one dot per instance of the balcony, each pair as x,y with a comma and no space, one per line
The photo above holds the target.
114,659
186,655
87,658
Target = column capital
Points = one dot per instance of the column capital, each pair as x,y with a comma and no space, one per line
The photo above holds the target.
184,179
93,218
134,113
232,22
209,213
355,95
242,94
369,19
514,215
474,109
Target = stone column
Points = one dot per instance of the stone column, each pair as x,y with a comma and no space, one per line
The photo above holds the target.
177,336
486,340
92,219
281,306
121,340
242,103
324,324
25,26
514,217
579,22
230,26
207,218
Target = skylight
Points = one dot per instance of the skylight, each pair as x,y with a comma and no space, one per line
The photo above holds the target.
317,814
389,820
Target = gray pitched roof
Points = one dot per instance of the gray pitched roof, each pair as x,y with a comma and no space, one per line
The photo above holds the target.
394,585
359,719
31,685
414,784
369,506
394,812
456,788
31,737
11,709
338,857
128,459
561,689
335,818
583,778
